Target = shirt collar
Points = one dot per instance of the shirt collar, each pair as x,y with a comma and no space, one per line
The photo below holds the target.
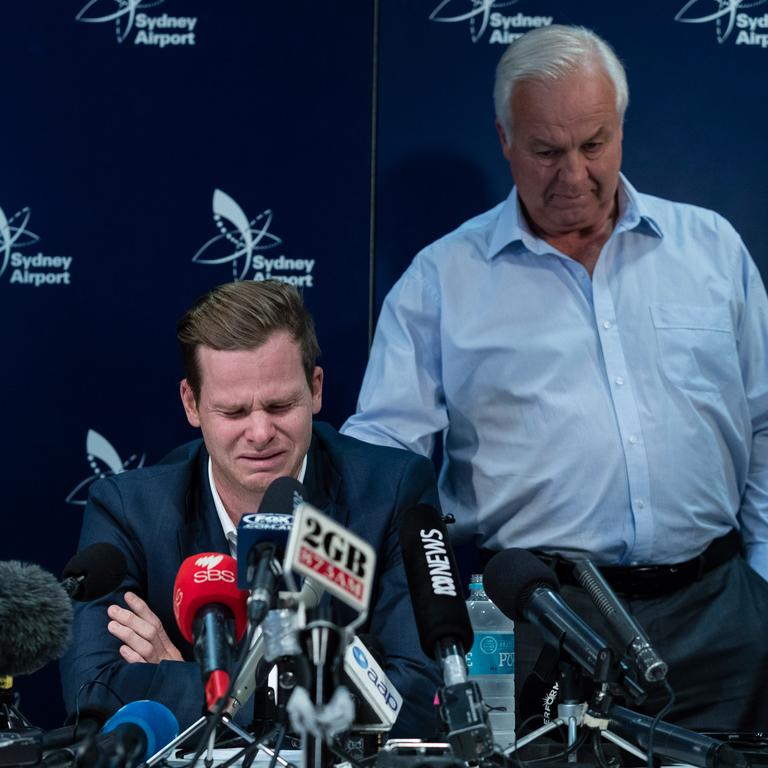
513,235
230,531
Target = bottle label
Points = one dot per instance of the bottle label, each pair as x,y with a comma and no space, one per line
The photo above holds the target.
493,653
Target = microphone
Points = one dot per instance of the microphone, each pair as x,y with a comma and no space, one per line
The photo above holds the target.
246,682
154,721
632,635
445,632
442,619
87,726
129,738
680,744
35,618
525,589
35,608
261,541
211,614
94,572
377,701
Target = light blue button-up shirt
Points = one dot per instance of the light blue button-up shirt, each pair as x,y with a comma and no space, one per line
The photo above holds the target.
623,416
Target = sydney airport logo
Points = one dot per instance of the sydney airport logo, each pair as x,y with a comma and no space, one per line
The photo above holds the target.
488,18
132,22
728,17
104,461
25,268
248,246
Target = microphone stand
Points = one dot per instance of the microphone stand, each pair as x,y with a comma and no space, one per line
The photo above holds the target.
573,713
248,666
198,725
11,717
618,724
322,641
570,713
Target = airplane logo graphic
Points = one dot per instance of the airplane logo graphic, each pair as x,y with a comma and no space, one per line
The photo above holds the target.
235,230
104,461
14,232
123,15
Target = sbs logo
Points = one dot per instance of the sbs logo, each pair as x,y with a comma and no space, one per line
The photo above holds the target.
209,561
210,572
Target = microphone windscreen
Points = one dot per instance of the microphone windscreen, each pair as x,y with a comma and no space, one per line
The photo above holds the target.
433,580
272,524
209,577
88,722
159,724
35,618
282,496
102,567
511,577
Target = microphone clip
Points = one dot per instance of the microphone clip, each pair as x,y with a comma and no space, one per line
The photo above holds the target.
465,716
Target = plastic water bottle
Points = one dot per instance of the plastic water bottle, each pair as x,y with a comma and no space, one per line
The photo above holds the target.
491,662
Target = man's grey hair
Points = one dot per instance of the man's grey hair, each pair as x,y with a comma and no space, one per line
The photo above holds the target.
552,53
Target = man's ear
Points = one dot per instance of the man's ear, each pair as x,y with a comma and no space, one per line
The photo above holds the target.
506,147
317,389
189,402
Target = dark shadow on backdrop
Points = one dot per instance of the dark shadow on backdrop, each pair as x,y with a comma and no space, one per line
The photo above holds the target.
421,198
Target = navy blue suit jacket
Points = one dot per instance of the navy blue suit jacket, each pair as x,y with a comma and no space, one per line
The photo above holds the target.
160,515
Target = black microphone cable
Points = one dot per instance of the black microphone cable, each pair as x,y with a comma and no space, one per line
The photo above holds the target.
656,720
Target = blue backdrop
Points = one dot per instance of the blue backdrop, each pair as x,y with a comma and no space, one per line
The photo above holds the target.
155,148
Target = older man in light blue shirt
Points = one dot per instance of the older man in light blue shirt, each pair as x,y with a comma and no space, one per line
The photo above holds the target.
596,360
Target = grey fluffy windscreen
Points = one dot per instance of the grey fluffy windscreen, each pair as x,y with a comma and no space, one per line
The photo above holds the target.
35,618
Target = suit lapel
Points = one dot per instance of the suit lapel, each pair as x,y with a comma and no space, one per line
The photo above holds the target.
201,531
323,483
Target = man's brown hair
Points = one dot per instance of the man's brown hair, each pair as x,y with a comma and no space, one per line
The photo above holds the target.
243,315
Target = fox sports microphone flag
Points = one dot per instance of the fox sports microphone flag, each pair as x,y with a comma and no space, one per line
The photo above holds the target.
265,533
211,613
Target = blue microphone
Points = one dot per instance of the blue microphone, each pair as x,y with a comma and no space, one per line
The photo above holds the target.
261,540
147,723
129,738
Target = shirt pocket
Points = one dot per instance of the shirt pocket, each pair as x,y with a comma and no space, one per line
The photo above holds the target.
696,346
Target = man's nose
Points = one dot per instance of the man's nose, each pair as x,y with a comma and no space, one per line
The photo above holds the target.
573,167
260,428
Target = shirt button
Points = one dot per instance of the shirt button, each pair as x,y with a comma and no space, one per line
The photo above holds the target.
640,503
606,323
633,440
619,380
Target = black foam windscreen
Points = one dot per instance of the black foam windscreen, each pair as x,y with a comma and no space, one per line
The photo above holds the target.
94,572
433,580
35,618
282,496
510,578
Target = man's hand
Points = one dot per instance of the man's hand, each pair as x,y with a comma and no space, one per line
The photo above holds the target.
141,633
